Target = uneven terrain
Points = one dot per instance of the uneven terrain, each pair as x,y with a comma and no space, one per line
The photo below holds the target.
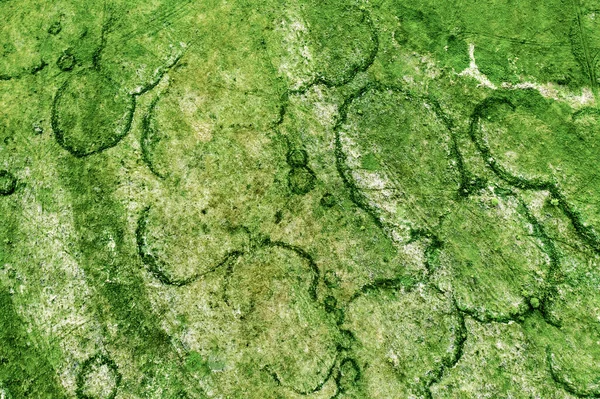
289,199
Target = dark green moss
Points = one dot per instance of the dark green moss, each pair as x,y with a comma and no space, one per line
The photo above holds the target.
297,158
66,62
8,182
301,180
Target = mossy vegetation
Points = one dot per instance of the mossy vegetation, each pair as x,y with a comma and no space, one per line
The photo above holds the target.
403,161
91,113
495,279
289,199
405,339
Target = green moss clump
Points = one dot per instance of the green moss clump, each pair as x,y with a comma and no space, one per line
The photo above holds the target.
8,182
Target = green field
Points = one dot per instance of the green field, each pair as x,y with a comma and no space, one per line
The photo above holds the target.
299,199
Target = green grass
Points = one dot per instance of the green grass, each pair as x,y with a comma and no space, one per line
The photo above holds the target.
287,199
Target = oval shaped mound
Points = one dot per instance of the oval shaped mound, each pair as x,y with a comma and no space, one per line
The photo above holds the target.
344,40
8,182
491,259
525,136
393,149
500,361
405,337
301,180
99,378
90,113
289,335
321,42
537,143
178,244
207,120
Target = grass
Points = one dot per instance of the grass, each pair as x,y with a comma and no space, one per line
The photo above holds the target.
283,199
